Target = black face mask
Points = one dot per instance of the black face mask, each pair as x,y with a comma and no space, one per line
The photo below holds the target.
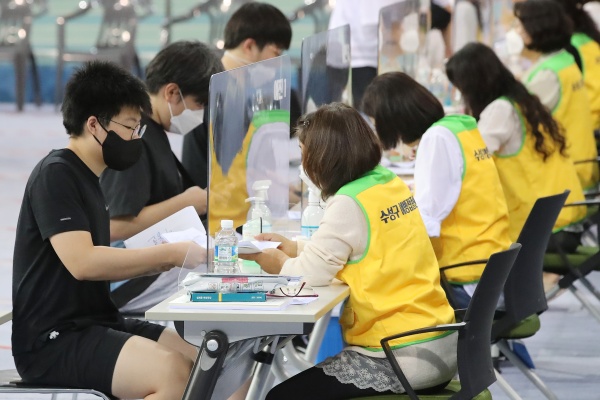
118,153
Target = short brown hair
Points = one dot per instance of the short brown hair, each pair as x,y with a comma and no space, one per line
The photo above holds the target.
339,147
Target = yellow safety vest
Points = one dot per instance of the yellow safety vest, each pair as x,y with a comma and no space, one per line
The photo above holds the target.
228,192
395,286
525,177
589,51
573,113
477,226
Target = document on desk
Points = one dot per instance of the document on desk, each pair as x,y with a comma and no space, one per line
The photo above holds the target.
271,304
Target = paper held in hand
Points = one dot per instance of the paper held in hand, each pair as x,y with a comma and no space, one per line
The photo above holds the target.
185,219
255,246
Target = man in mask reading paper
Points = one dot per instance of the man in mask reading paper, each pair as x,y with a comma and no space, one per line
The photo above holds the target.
157,186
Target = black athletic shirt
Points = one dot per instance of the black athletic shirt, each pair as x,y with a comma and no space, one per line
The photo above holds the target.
62,195
153,179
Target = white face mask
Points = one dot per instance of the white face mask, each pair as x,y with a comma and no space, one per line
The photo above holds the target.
307,180
514,43
409,41
186,121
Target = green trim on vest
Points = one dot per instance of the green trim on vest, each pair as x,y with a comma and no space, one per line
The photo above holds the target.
264,117
261,118
579,40
523,129
556,64
458,123
377,176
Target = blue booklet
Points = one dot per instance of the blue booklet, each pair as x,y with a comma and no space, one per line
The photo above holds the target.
200,296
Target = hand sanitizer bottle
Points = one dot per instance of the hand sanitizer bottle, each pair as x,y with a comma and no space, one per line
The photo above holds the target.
258,209
312,215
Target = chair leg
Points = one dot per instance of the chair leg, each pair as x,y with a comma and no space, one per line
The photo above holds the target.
58,90
588,285
586,304
20,65
37,92
512,357
511,393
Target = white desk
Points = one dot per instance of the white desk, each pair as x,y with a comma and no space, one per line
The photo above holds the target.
216,331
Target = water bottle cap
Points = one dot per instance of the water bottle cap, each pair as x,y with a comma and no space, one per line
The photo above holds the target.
226,224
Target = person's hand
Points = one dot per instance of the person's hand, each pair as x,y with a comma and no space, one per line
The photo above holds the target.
196,256
198,198
270,260
289,247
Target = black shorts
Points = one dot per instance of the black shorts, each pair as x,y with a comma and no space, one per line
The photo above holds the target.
82,359
440,17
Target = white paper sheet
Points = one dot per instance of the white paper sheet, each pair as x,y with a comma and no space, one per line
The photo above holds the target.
255,246
180,221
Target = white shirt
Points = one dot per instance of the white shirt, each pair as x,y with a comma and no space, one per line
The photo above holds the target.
438,176
545,84
363,18
500,127
593,9
342,236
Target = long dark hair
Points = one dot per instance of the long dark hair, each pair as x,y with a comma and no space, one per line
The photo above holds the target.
582,22
482,78
546,24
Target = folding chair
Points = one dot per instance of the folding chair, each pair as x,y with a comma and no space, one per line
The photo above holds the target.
318,10
10,381
576,266
115,42
524,297
475,367
15,29
218,13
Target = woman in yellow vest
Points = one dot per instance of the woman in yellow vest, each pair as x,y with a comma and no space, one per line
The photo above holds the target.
585,45
556,80
372,238
457,187
527,144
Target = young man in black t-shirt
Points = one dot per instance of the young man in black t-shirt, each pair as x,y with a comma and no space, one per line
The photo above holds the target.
155,187
66,330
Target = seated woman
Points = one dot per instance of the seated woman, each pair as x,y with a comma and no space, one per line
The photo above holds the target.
585,45
372,238
457,187
528,145
556,80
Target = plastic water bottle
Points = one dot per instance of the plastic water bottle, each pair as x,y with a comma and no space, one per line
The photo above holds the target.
312,215
226,249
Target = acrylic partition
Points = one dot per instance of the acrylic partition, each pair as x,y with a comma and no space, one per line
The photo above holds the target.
402,29
325,68
249,141
324,78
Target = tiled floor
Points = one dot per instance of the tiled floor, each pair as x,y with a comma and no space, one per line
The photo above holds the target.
566,350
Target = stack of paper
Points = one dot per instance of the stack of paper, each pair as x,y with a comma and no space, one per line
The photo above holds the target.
271,304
